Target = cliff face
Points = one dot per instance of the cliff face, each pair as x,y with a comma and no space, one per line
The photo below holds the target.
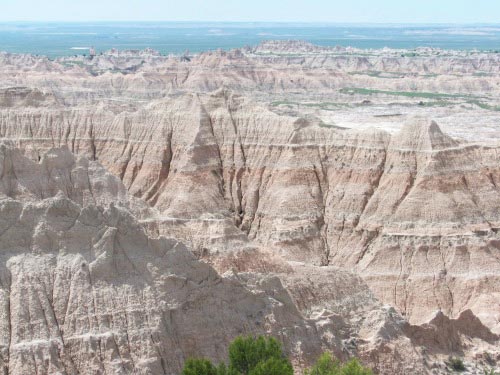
306,225
416,213
85,290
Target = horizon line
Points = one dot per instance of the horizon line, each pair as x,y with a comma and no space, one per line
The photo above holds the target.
258,22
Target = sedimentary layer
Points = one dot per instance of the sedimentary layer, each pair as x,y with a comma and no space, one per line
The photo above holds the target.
287,167
85,290
416,212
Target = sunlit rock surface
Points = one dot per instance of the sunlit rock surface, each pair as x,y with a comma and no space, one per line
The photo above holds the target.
317,181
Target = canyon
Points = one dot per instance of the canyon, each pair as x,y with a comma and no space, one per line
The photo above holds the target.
340,199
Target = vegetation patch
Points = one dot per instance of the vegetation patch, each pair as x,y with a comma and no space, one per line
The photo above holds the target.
265,356
409,94
327,365
72,63
389,115
481,74
369,73
484,105
434,103
327,106
284,103
456,364
379,74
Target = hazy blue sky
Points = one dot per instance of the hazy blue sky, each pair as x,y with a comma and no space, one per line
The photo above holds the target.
378,11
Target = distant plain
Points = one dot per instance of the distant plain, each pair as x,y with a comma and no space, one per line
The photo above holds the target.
66,39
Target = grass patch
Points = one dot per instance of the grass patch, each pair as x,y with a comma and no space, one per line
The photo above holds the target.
368,73
283,102
485,105
409,54
429,75
327,106
389,115
72,63
481,74
408,94
435,103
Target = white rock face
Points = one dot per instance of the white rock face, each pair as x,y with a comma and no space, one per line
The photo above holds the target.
85,291
223,173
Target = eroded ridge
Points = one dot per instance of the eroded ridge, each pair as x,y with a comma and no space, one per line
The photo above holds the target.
307,165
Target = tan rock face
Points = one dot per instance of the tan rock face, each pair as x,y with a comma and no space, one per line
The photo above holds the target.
411,212
267,192
85,290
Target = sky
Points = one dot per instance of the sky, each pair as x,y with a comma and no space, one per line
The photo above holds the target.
335,11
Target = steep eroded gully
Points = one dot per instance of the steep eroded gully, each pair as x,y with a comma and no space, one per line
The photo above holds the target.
223,172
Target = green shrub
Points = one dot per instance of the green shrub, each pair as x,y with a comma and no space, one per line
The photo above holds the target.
264,356
353,367
247,356
272,366
456,364
222,369
245,353
327,365
199,366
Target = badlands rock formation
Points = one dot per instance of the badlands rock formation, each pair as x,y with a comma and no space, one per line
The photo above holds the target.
86,291
286,167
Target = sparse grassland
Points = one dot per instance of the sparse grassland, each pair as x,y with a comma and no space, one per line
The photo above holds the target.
409,94
327,106
485,105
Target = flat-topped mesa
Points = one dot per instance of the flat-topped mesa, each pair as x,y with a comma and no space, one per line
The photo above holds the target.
290,47
147,52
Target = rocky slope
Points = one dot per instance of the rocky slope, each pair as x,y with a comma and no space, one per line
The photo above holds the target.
270,68
86,291
276,199
219,168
